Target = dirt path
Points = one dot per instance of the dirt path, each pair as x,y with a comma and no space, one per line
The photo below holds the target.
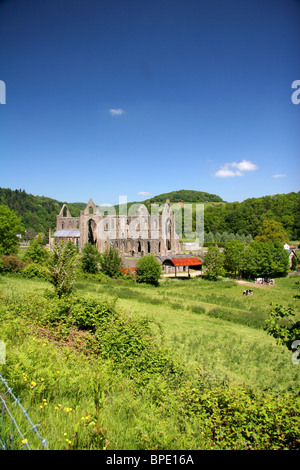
246,283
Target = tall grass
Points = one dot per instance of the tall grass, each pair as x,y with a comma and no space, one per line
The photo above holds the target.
86,390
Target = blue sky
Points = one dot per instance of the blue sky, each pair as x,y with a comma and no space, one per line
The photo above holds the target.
109,98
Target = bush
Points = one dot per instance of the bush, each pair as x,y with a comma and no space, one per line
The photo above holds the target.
98,277
90,258
234,417
36,252
148,270
11,263
34,270
110,262
197,309
61,268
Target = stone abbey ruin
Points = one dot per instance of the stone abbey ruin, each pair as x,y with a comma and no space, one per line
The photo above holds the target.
133,234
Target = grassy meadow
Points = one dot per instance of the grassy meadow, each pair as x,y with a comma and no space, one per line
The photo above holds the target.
185,365
214,325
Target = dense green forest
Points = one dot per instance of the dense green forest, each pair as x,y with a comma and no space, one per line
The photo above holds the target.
184,195
38,213
246,217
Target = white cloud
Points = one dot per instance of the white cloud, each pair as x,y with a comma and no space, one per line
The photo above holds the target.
116,111
227,171
144,193
279,175
245,165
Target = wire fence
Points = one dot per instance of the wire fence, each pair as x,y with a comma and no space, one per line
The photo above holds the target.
11,431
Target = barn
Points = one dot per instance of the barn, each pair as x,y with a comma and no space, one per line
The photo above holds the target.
181,264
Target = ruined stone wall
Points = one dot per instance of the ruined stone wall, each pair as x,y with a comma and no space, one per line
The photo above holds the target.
131,235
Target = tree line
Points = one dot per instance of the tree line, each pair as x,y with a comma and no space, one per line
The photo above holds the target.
247,217
258,259
38,213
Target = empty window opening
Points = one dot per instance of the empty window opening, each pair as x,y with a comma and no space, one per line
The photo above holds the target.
92,232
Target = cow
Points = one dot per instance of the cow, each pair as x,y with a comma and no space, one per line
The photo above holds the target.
248,292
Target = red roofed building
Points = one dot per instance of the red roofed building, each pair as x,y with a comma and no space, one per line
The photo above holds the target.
181,264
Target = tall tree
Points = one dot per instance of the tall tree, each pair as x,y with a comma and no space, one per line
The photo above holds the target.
265,259
258,260
10,226
214,263
280,259
234,253
271,231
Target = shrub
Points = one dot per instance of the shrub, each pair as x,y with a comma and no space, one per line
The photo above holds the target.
197,309
110,262
234,417
281,325
148,270
34,270
61,268
11,263
90,258
36,252
90,314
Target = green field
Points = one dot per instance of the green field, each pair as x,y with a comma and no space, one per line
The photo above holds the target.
217,327
221,364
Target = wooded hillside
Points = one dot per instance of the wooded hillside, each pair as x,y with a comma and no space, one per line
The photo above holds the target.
38,213
246,217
